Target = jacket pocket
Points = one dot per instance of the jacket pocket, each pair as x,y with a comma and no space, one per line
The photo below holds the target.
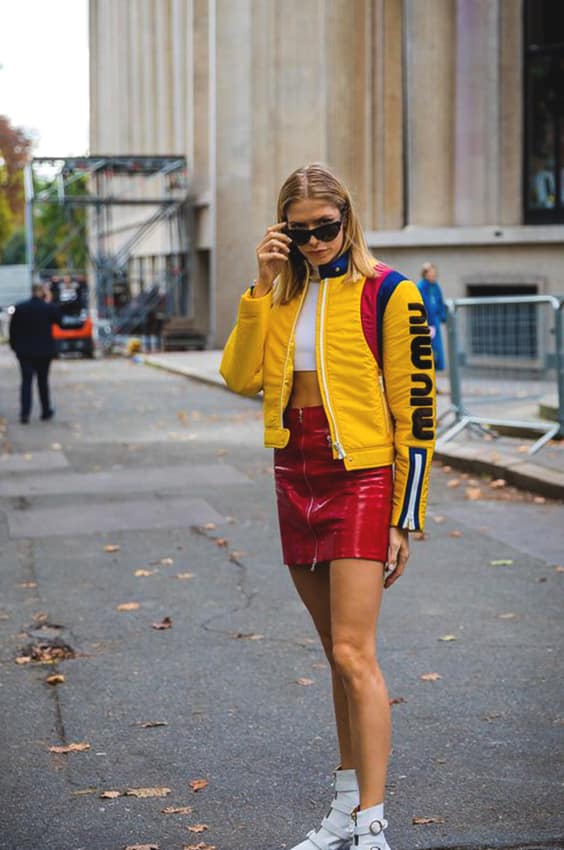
389,426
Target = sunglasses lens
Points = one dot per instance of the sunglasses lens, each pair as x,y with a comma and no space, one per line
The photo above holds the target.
300,237
327,232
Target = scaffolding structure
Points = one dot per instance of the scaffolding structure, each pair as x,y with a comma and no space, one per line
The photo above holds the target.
158,185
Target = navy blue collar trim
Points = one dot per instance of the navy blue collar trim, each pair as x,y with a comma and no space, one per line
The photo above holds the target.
336,267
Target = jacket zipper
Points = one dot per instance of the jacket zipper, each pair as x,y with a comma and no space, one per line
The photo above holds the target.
337,443
311,496
385,403
288,353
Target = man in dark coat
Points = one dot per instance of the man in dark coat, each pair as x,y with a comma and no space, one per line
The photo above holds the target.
32,341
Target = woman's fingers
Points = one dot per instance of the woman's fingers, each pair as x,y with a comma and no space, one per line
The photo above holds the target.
398,554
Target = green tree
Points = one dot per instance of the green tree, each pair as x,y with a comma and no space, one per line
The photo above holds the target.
61,239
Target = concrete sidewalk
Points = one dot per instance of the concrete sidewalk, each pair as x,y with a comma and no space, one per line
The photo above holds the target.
504,457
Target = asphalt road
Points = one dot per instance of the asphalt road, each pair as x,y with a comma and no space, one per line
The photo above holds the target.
173,473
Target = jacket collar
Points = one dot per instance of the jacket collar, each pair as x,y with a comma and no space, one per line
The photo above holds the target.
337,267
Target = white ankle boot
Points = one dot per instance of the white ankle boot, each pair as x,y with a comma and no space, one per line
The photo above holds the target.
368,830
335,832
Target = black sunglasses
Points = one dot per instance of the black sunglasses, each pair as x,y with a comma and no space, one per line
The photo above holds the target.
325,232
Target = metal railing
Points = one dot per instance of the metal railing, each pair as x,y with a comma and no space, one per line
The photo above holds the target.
505,353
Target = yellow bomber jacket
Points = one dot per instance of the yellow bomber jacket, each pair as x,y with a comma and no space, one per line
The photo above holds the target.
376,374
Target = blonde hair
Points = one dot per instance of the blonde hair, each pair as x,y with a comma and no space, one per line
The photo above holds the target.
318,182
426,267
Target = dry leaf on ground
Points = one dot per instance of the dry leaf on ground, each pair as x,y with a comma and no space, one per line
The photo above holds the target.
201,845
304,681
473,493
112,547
448,637
416,820
198,827
455,533
165,562
208,526
183,575
198,784
539,500
430,677
509,616
55,679
128,606
438,519
142,847
70,748
559,568
149,724
159,791
140,573
247,636
236,556
177,810
454,482
166,623
397,700
497,483
111,795
221,541
501,562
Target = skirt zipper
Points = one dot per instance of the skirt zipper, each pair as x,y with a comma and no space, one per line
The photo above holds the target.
311,498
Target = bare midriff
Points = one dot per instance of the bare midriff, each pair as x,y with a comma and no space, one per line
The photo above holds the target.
305,391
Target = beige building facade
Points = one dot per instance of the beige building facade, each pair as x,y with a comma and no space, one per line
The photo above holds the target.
421,106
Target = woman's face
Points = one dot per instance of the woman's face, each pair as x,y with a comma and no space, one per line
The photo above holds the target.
309,213
431,274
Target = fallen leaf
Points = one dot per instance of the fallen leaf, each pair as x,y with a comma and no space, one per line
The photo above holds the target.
183,575
455,533
70,748
430,677
304,681
148,724
23,659
497,483
112,547
502,562
539,500
221,541
111,795
397,700
166,623
56,446
198,827
128,606
27,584
438,519
165,562
247,636
159,791
182,416
454,482
523,449
473,493
209,526
28,456
198,784
55,679
142,847
177,810
559,569
236,556
417,820
448,637
509,616
447,468
144,572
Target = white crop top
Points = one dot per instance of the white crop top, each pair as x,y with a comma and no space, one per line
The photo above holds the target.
304,351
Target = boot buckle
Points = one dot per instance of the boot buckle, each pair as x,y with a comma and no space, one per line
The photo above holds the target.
377,826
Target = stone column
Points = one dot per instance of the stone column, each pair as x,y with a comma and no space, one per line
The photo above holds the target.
477,137
233,256
511,112
429,61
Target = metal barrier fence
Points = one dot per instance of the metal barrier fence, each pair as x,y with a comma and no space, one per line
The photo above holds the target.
505,356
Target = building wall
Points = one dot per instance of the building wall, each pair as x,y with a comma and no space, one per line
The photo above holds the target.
417,105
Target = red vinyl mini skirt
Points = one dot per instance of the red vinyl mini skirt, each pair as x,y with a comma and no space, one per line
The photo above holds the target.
324,510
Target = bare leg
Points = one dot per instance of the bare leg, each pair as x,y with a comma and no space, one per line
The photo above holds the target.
313,588
356,588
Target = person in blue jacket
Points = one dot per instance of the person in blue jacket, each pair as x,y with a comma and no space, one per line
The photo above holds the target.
435,306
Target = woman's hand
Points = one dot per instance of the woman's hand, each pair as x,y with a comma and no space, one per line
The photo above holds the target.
398,553
272,252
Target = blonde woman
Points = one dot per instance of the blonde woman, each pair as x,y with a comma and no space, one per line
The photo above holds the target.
340,345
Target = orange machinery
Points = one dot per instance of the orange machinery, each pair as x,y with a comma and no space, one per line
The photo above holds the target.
75,331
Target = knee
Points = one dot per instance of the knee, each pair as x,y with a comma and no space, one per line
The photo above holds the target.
354,663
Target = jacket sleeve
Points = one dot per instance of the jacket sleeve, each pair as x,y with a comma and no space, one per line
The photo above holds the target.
13,330
241,365
409,378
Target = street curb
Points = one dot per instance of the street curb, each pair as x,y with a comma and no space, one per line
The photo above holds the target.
185,373
518,473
